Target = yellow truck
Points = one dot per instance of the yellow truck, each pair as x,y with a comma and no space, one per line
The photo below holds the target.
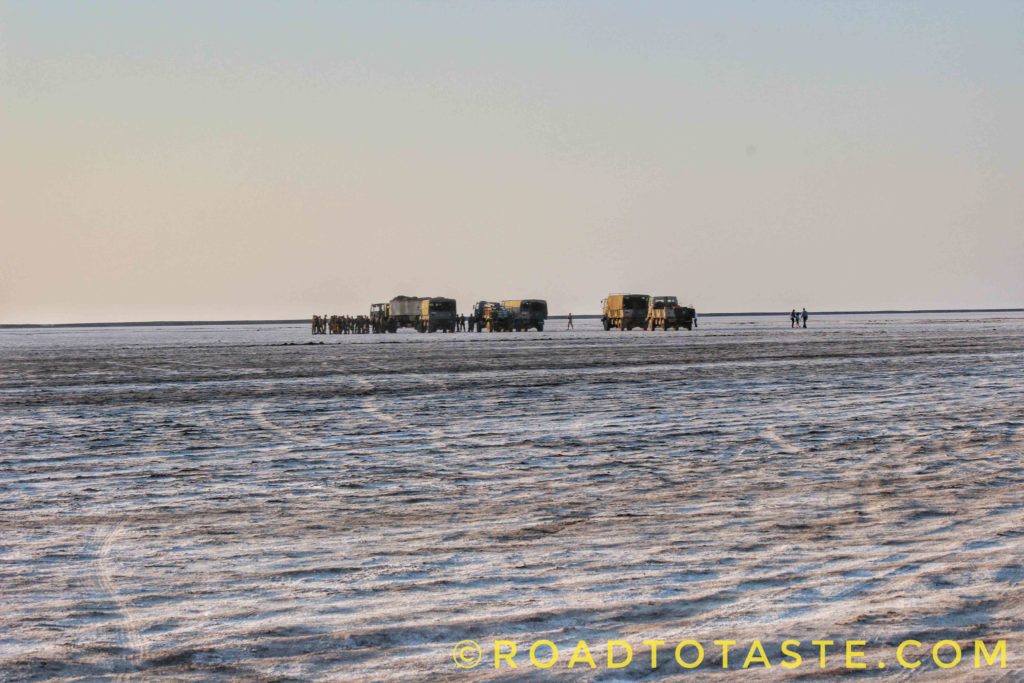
436,313
527,313
624,311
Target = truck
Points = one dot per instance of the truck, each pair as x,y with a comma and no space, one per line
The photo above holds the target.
381,320
491,316
624,311
404,311
665,312
527,313
424,314
436,313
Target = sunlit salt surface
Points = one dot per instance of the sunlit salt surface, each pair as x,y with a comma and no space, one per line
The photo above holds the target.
230,502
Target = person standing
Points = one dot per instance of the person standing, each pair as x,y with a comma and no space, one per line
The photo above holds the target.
792,318
804,316
568,325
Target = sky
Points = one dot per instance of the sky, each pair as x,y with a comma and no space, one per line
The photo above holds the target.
266,160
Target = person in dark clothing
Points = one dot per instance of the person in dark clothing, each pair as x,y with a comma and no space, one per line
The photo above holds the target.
792,318
804,316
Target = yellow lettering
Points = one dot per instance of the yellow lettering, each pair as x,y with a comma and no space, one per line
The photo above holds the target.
851,654
822,646
760,657
582,654
797,659
679,654
725,651
980,651
899,654
938,660
612,664
500,656
654,651
533,654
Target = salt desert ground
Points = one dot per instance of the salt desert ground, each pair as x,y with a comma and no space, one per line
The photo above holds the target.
213,503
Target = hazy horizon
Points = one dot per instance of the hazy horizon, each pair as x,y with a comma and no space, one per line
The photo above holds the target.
191,161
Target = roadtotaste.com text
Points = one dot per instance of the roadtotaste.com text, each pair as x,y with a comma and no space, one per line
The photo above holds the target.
729,654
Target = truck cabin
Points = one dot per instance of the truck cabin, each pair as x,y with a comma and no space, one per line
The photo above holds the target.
378,309
634,302
660,302
535,308
442,306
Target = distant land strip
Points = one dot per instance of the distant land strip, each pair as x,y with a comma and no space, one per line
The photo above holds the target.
590,316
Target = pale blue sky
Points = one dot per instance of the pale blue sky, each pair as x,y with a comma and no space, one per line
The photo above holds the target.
239,160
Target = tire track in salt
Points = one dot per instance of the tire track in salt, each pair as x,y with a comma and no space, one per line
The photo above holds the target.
372,406
772,436
128,635
259,415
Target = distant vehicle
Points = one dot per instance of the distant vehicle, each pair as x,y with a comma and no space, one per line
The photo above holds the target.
492,316
527,313
624,311
687,316
437,313
404,311
424,314
665,312
381,320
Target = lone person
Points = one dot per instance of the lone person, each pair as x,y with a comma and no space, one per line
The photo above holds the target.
568,325
804,316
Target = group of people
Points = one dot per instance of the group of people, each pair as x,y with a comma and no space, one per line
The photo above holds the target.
363,324
796,318
341,324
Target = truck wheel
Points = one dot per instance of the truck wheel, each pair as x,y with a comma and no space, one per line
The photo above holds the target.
607,324
540,327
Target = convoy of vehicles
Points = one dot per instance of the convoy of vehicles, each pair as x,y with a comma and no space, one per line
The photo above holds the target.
440,314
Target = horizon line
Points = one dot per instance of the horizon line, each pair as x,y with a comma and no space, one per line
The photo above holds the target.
583,316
